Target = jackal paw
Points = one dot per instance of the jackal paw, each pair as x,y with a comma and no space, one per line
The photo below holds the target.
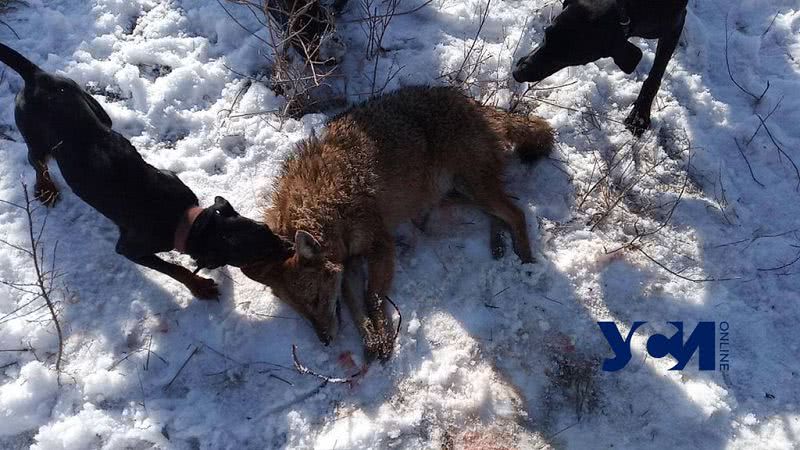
46,192
378,346
378,340
524,253
497,245
203,288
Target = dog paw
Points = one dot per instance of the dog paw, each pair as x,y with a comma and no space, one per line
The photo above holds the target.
204,288
637,122
46,193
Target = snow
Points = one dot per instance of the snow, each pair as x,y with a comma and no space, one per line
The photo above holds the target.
491,354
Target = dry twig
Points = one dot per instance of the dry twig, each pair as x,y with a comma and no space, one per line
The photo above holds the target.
757,98
43,279
302,28
326,379
174,377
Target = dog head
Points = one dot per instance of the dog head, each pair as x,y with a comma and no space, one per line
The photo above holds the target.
582,33
308,281
220,236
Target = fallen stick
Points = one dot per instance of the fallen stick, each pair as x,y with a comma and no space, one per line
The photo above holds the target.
196,349
306,371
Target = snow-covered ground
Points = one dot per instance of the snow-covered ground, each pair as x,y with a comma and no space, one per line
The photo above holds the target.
491,354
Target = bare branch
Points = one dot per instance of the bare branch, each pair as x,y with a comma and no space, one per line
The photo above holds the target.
174,377
43,281
40,277
683,277
625,191
287,29
395,14
782,266
730,74
583,113
458,73
780,149
641,235
749,167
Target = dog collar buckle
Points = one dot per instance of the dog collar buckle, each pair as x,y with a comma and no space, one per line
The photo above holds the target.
625,23
624,18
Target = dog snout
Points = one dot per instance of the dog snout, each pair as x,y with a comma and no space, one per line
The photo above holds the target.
520,69
518,77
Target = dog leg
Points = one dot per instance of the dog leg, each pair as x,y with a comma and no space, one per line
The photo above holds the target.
639,118
44,190
202,288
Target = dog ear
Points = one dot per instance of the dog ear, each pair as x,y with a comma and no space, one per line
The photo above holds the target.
306,246
224,207
98,110
627,56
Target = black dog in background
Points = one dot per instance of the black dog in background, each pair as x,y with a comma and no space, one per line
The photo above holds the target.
154,210
587,30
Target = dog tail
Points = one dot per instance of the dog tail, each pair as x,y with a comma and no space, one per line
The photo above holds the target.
532,136
19,63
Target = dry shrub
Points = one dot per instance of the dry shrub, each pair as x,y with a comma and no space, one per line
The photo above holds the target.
304,50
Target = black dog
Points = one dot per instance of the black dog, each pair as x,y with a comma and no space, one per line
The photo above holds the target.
153,209
587,30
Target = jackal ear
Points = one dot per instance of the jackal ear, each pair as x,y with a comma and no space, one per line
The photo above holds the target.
306,246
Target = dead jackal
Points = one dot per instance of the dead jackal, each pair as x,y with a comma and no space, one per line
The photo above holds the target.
379,164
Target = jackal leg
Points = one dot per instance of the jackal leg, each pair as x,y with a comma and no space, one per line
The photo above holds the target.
497,204
484,191
496,243
354,290
380,261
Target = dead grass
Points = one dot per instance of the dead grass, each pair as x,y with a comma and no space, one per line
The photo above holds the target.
573,381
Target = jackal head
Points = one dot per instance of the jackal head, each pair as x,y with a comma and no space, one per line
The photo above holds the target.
308,282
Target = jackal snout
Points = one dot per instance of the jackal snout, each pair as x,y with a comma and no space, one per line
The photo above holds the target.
306,281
